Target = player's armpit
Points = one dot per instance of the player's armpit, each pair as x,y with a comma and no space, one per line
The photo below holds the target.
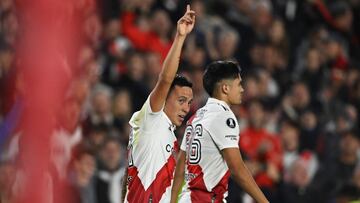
241,174
179,176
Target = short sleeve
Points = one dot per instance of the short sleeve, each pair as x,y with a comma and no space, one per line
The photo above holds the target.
145,118
183,144
186,137
223,129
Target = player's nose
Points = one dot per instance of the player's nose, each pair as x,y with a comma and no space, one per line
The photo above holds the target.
186,108
241,89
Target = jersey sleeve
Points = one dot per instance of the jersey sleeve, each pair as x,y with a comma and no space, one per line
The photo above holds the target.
145,118
183,144
186,137
223,129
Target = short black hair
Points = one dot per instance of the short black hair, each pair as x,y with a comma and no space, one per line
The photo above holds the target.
217,71
181,81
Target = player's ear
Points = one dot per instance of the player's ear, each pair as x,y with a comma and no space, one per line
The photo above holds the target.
225,88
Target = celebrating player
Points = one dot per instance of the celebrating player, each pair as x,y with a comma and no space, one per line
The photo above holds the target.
209,151
152,142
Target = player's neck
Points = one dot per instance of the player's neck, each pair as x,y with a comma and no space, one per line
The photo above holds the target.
222,97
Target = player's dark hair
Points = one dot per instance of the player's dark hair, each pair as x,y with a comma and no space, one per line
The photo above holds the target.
217,71
181,81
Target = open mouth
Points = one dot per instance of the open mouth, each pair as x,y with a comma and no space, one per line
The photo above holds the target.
182,117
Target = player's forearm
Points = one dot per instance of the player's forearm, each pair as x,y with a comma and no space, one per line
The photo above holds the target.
179,178
124,186
171,63
246,181
167,75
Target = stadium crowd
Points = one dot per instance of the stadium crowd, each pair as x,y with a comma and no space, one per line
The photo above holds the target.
299,118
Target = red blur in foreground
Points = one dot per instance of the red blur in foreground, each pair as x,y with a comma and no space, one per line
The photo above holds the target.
49,38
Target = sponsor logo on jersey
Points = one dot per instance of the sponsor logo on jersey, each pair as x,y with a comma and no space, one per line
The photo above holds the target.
171,149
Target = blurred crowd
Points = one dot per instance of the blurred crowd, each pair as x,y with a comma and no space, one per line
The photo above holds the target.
299,118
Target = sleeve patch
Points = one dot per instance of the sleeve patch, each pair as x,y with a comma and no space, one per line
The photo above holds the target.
231,123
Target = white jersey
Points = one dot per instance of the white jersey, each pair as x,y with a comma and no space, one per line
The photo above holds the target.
213,128
151,149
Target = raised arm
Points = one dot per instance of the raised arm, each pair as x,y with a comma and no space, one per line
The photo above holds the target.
171,63
179,176
242,175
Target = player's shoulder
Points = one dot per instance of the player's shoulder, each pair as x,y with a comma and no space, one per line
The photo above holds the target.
213,115
216,105
219,110
145,115
136,119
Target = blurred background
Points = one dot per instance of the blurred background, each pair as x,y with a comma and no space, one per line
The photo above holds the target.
72,74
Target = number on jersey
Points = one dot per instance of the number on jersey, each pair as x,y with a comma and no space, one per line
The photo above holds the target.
193,144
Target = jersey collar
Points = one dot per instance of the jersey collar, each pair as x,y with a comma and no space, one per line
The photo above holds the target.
172,127
212,100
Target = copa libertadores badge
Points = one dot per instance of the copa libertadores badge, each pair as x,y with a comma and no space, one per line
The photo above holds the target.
230,122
